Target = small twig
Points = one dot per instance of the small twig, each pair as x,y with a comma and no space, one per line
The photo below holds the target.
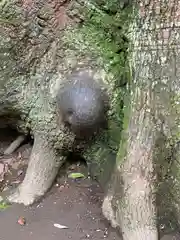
14,145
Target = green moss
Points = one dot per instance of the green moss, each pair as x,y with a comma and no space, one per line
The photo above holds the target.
102,36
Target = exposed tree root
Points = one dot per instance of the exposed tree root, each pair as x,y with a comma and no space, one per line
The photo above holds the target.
41,172
14,145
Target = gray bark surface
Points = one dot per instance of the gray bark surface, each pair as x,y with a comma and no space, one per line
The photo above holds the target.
147,166
41,44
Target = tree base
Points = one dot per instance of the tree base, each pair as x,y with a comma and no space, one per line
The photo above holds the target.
41,172
22,196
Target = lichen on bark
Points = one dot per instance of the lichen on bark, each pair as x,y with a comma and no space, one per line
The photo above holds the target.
41,43
148,200
103,36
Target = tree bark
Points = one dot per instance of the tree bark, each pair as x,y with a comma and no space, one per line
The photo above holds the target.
143,195
33,186
41,44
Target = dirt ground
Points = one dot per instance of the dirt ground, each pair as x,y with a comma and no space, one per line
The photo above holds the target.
71,203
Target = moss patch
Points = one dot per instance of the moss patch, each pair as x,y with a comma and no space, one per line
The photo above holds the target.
102,34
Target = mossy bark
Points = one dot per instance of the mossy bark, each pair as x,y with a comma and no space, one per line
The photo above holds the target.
41,42
143,196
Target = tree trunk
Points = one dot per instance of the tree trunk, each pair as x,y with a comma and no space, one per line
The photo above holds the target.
143,196
42,43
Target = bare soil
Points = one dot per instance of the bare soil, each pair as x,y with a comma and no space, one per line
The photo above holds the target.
71,203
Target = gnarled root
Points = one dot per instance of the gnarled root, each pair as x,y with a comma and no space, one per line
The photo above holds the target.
14,145
41,172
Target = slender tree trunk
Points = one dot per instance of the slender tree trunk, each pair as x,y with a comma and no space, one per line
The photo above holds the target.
146,160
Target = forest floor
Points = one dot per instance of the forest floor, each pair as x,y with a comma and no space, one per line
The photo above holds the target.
76,205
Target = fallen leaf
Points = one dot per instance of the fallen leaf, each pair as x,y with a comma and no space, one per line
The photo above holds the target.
76,175
57,225
22,221
3,205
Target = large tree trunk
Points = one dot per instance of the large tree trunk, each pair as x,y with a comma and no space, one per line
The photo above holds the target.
41,44
144,192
